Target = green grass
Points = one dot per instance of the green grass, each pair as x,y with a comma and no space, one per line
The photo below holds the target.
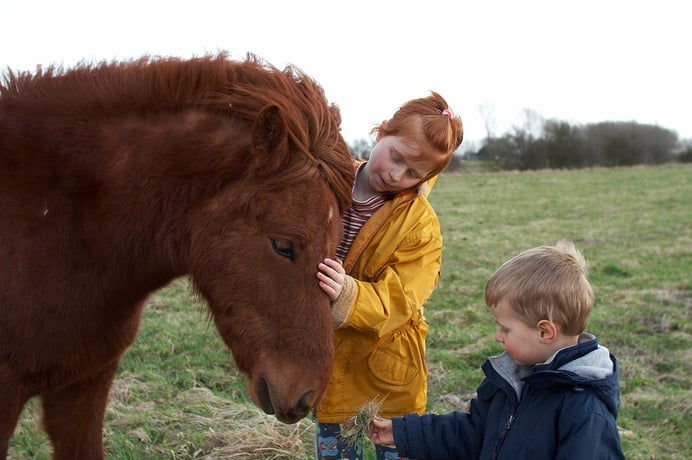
634,226
178,395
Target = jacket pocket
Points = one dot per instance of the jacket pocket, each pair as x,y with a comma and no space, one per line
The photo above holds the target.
390,368
397,362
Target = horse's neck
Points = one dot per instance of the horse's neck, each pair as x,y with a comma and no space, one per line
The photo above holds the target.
127,187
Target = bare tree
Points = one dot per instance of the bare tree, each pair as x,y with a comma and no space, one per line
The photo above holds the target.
533,123
487,111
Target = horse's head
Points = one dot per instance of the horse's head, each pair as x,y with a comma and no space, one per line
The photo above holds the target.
257,245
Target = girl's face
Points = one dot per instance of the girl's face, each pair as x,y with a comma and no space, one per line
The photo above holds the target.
522,342
395,166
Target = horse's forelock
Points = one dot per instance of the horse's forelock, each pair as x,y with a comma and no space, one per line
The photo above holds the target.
313,124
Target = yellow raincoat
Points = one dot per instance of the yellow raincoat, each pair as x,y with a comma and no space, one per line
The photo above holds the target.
380,329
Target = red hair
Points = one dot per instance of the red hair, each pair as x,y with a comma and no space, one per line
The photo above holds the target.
429,124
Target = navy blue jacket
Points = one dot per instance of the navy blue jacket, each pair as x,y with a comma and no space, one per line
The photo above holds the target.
565,408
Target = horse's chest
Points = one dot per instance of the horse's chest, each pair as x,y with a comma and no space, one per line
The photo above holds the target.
76,349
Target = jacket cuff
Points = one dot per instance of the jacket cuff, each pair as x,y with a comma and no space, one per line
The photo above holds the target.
341,307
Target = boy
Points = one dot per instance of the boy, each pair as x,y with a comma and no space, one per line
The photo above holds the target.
553,393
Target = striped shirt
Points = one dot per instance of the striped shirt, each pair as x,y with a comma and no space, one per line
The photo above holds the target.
354,219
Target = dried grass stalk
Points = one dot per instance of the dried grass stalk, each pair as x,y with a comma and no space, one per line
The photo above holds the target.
356,426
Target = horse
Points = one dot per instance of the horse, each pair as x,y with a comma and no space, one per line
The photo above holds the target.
118,177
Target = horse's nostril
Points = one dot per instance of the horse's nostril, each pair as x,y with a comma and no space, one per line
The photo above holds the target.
303,405
264,397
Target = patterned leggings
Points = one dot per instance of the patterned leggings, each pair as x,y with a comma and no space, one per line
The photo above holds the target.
331,446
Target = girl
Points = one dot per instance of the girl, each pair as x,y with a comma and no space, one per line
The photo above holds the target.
391,252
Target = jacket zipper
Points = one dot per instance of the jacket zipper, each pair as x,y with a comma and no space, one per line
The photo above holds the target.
501,441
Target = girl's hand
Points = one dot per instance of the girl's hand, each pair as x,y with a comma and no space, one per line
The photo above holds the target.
380,431
331,275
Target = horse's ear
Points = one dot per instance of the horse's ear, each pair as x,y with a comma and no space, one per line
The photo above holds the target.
269,138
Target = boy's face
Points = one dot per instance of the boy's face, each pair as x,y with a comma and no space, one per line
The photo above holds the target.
521,341
395,166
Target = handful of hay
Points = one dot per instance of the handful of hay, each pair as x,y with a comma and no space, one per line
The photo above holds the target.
356,426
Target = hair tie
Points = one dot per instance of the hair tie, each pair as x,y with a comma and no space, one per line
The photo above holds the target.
447,113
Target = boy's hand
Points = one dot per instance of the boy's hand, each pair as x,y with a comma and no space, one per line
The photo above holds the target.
331,275
380,431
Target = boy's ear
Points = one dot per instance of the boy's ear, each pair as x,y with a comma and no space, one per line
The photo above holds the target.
547,330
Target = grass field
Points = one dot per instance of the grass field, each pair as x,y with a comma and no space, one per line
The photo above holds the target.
178,395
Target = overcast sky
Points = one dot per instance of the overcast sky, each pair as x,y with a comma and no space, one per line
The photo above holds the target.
578,61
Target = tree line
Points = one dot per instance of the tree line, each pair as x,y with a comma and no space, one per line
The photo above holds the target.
560,144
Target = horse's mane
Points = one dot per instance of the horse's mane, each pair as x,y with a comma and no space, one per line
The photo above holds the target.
153,85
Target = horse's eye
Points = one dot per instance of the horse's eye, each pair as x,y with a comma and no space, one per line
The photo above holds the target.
284,248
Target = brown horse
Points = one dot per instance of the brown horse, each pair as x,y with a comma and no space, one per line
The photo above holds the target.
115,179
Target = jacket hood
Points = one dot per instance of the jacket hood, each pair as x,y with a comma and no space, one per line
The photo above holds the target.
425,187
586,366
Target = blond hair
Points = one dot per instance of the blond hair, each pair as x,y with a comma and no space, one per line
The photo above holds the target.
545,283
430,125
